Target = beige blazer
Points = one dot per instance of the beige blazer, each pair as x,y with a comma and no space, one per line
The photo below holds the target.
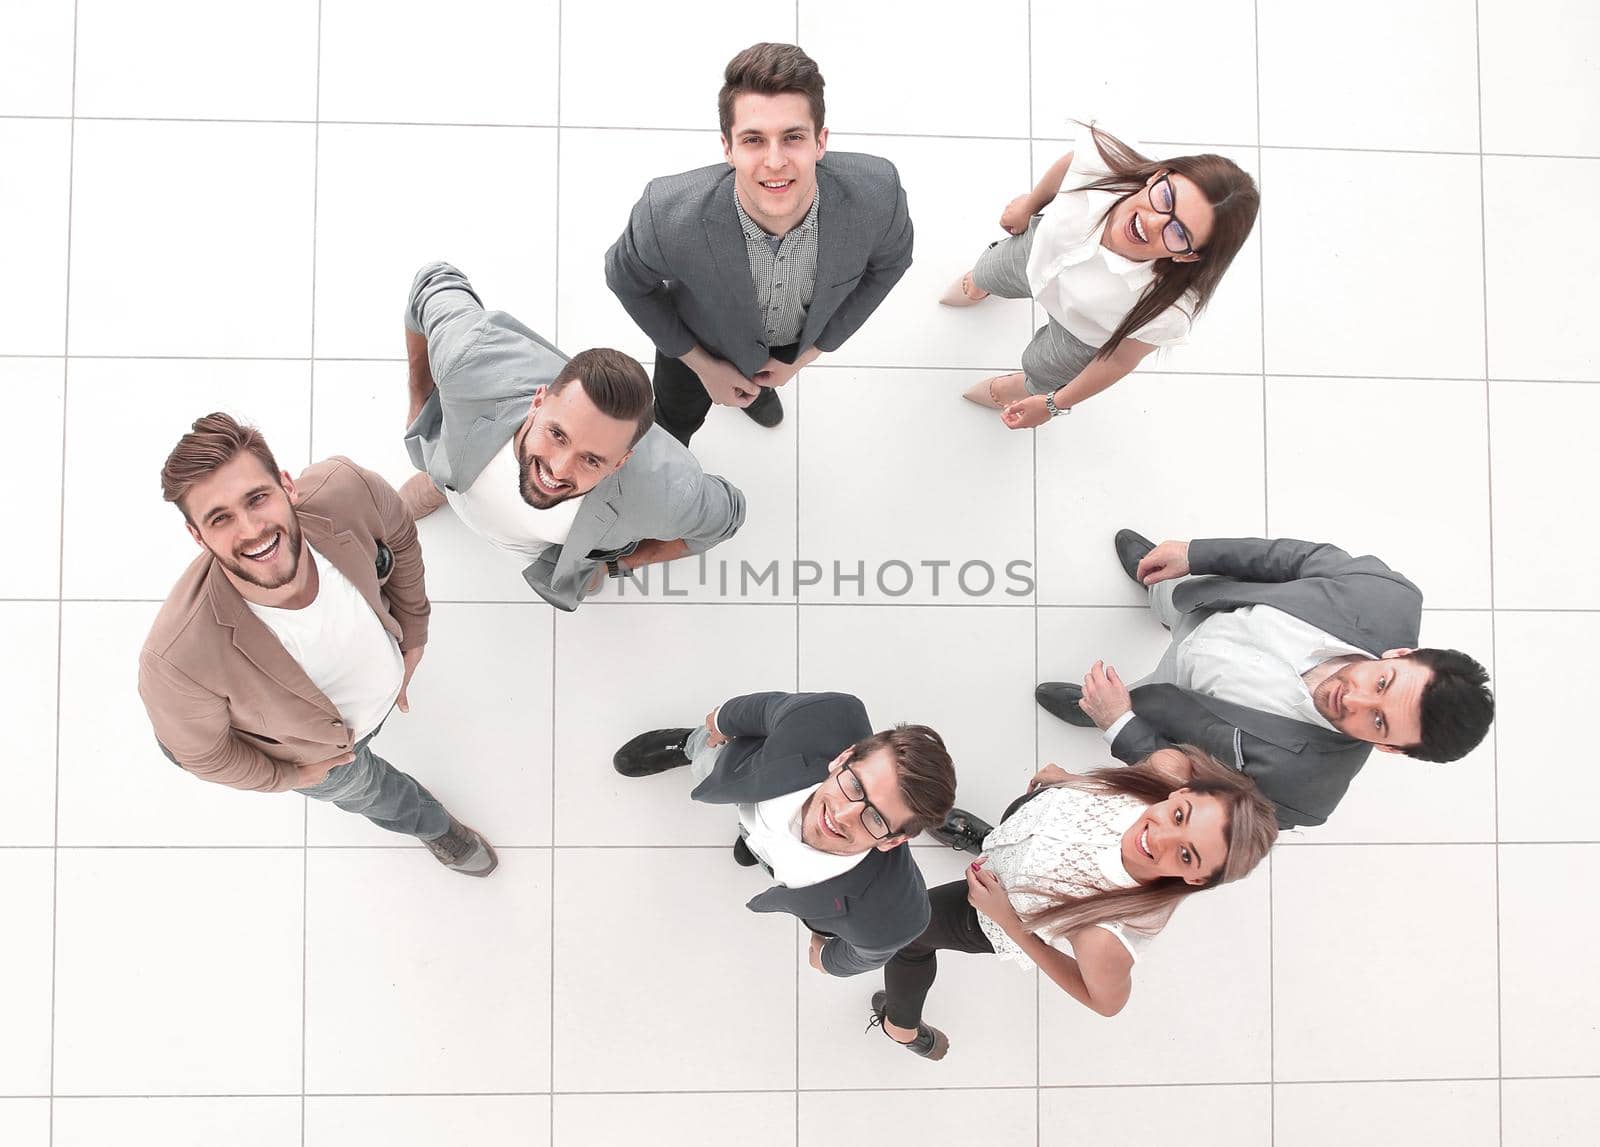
226,699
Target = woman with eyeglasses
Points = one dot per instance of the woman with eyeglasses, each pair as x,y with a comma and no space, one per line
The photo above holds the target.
1078,877
1122,252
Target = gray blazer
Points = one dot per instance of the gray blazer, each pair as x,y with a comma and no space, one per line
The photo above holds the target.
1303,768
682,271
486,366
781,742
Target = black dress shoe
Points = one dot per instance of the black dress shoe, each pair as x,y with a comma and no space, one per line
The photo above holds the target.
962,831
931,1043
742,856
1130,548
1060,699
766,410
652,752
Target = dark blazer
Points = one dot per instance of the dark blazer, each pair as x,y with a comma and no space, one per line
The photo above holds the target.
781,742
682,271
1303,768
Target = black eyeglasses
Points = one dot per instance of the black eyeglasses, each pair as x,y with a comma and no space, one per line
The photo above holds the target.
871,819
1163,202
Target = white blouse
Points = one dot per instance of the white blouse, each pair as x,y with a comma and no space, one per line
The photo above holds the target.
1087,288
1066,842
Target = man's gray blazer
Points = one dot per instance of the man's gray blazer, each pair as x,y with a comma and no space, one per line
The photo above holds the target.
1303,768
780,743
682,271
486,366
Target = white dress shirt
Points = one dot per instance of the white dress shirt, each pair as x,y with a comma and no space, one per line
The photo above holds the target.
1088,288
1063,842
1254,656
494,510
773,832
342,646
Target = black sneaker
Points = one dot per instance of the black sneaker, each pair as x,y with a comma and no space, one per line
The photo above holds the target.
652,752
742,856
931,1043
962,831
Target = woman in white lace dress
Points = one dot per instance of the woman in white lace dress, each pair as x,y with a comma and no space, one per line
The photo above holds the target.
1079,875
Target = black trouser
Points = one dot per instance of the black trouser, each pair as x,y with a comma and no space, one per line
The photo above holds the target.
681,399
953,928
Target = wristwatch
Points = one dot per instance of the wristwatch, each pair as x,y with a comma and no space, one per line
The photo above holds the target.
615,568
1050,405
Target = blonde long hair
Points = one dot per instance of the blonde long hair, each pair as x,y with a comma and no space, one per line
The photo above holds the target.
1251,829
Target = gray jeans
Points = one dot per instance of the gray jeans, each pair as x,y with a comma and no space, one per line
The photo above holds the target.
702,757
1181,624
383,794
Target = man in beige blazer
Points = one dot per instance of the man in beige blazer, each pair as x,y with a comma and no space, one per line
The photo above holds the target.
285,643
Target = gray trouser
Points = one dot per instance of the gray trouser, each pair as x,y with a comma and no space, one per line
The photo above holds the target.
383,794
1055,356
1181,624
702,757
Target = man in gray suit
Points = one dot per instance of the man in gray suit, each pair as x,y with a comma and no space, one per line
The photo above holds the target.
574,479
824,805
742,273
1291,661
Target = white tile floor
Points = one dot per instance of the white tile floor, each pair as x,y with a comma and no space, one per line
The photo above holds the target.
207,205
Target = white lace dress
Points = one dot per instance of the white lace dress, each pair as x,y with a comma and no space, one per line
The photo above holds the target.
1065,842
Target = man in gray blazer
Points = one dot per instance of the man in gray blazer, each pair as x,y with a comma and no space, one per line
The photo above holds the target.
574,479
824,805
742,273
1290,661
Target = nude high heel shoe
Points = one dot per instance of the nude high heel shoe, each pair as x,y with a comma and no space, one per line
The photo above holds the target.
963,293
983,392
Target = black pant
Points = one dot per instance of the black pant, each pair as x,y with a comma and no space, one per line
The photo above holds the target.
954,928
681,399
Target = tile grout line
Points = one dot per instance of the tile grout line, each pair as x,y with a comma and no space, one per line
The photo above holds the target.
311,431
1488,444
1266,527
1038,1008
61,574
554,628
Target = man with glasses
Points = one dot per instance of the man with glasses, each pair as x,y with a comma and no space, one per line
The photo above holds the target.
824,806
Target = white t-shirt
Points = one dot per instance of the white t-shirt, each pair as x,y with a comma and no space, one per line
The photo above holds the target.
1087,288
342,646
1066,842
772,831
493,509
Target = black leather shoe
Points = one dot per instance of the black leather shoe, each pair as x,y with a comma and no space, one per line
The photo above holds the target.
962,831
1130,548
652,752
1060,699
742,856
931,1043
766,410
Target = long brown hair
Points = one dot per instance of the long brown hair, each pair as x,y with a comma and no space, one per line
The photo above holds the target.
1251,829
1233,197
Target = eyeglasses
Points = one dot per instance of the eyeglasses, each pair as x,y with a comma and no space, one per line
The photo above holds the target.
1162,202
871,819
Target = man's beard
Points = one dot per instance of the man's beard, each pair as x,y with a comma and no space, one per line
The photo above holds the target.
241,567
528,486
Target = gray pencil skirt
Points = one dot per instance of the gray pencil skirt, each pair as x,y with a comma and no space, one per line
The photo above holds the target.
1055,356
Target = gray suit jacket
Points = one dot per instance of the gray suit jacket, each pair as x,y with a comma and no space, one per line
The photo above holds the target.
779,743
1304,769
682,271
486,366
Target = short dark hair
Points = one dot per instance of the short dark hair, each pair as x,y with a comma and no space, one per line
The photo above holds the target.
924,769
212,442
770,70
1457,706
615,383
